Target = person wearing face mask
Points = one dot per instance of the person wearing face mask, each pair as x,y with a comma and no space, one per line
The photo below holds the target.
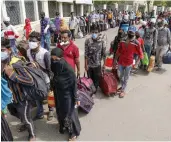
163,43
66,98
57,22
115,42
71,51
125,53
11,34
36,53
20,82
45,33
95,50
150,37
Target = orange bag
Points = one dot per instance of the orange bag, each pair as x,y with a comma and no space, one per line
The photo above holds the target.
51,99
109,62
151,63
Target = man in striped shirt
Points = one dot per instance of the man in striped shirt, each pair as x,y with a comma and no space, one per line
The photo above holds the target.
21,84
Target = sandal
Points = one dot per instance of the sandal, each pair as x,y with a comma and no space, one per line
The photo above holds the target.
121,95
72,139
119,90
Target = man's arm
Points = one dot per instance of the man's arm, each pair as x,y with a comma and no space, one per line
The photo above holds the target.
103,52
169,38
47,61
155,35
77,60
86,54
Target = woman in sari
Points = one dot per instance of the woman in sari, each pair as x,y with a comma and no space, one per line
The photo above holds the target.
66,99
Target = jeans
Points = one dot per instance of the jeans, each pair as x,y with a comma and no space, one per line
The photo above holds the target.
45,41
13,46
73,33
94,74
124,75
148,49
40,110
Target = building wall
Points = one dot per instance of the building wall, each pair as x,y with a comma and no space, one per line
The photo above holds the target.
19,10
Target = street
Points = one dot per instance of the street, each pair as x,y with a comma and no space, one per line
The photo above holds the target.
144,114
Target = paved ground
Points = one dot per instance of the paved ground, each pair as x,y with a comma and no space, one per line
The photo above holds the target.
144,114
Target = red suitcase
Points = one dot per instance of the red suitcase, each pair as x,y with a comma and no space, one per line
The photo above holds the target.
108,83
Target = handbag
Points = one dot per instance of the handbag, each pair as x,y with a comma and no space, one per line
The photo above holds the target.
167,58
145,60
51,99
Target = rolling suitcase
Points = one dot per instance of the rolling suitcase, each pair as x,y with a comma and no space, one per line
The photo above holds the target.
108,83
86,101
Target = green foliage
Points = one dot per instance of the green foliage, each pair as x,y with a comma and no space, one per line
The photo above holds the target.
160,3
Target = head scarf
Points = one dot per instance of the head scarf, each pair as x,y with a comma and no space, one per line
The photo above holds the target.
63,25
57,52
27,28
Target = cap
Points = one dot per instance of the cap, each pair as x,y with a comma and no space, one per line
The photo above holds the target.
132,29
6,19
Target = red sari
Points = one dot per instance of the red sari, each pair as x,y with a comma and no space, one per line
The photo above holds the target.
27,28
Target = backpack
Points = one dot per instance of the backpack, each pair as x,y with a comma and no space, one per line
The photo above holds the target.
40,86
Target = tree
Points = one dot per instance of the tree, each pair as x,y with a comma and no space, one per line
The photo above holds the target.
160,3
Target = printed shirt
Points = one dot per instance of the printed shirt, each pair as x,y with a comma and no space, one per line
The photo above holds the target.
44,22
71,53
126,51
11,32
94,52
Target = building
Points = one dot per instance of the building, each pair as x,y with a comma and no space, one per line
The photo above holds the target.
19,10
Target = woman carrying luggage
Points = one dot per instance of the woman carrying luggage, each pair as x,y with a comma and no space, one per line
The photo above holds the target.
66,99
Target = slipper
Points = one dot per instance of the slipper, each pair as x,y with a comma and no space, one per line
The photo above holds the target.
73,139
121,95
119,90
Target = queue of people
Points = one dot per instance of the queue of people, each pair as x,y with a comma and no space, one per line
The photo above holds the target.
29,79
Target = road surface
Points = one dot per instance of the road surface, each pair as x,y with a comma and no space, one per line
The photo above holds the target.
144,113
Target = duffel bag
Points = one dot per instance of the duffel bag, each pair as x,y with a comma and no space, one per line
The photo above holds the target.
88,83
86,101
167,57
108,83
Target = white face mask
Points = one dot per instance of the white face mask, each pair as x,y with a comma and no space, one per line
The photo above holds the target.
33,45
64,43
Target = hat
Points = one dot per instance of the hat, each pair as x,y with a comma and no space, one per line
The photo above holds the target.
132,29
6,19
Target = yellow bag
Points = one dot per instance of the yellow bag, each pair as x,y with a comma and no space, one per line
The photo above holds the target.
51,99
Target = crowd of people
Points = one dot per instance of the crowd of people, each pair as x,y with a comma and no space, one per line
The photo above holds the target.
28,77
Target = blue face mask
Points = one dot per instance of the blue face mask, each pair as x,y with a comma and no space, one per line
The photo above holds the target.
94,36
4,55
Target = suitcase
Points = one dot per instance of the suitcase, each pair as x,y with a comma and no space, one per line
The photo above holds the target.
151,63
86,83
167,57
108,83
86,101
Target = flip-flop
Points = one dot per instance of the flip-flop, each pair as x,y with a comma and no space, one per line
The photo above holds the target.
119,90
73,139
121,95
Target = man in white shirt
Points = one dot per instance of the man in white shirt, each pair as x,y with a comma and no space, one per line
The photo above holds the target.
73,22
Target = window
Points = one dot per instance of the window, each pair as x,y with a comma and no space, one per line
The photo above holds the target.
66,9
29,8
53,8
13,11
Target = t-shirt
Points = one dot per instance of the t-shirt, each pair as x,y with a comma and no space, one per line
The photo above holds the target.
73,23
71,53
